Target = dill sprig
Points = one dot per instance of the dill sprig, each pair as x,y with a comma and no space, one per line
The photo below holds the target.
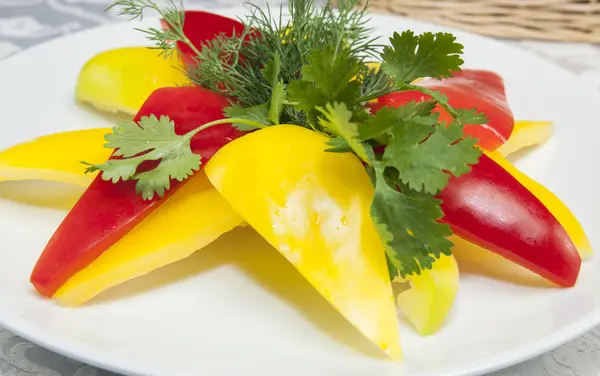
267,36
162,39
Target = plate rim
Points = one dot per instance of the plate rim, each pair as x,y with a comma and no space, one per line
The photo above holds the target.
506,359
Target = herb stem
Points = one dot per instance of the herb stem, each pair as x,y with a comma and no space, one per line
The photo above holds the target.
437,96
177,28
185,40
399,87
171,14
191,134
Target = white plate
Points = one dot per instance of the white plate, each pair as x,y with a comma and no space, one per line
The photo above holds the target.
230,313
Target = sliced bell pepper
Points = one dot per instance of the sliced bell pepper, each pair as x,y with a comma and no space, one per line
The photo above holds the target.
526,134
107,211
560,211
122,79
466,89
430,298
491,208
55,157
313,207
190,219
431,295
473,259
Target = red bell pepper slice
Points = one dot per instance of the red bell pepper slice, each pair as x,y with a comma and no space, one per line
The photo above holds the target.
491,208
480,89
107,211
488,206
200,27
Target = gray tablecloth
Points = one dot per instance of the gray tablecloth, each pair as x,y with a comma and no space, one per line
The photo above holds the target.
24,23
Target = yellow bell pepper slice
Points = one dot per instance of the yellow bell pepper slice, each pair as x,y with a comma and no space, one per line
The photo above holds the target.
431,295
562,213
313,207
190,219
56,157
120,80
526,134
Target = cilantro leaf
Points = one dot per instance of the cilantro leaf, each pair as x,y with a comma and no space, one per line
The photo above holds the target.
271,73
276,104
271,70
462,115
380,123
151,139
338,145
408,226
426,154
259,114
349,94
326,78
470,116
379,126
412,56
413,108
332,73
306,94
336,120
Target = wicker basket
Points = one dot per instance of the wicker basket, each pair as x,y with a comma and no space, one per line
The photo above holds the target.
559,20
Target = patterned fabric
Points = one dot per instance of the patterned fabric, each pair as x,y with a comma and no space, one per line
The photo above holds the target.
25,23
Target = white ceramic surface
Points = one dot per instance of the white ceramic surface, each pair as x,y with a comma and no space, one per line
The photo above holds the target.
246,311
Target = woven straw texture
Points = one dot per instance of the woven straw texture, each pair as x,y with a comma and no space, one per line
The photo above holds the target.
559,20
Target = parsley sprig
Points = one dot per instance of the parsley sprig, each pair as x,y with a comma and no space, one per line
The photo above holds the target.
313,71
153,140
406,221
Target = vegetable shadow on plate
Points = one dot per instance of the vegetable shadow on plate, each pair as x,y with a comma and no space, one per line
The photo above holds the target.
475,260
245,250
112,118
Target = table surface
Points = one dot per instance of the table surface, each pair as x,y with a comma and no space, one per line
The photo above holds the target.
25,23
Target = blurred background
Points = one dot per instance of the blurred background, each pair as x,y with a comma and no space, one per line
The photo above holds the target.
561,20
565,31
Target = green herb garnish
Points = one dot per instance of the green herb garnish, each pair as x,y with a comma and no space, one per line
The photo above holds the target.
153,139
312,71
